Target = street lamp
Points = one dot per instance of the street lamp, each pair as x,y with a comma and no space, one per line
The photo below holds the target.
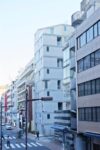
48,98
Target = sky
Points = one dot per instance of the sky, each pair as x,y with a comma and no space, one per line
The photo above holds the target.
19,20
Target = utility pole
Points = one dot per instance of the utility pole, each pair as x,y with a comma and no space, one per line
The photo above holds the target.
26,102
1,127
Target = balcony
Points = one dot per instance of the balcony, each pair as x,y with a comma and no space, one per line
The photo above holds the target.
73,84
77,18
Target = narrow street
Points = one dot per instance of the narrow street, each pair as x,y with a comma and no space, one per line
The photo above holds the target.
16,143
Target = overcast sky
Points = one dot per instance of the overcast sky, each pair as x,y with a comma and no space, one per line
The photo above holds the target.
19,20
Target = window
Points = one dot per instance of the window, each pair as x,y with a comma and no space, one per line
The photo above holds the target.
98,114
89,114
93,86
58,84
47,71
97,85
95,30
99,28
81,90
59,62
94,114
48,93
86,114
87,88
82,114
59,41
89,34
48,116
46,84
97,57
80,65
92,60
82,39
60,106
87,62
47,48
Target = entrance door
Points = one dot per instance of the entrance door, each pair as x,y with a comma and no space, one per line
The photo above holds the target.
96,147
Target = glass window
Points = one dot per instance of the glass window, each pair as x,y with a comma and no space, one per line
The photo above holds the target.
81,90
92,58
59,62
60,106
46,84
95,30
83,39
87,88
86,114
82,113
99,28
97,57
90,114
98,114
94,114
47,48
80,65
48,116
89,34
97,85
93,87
58,84
48,71
87,62
48,93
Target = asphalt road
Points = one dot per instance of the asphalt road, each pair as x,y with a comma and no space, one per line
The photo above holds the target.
19,144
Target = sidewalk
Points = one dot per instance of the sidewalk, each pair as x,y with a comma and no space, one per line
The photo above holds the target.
47,141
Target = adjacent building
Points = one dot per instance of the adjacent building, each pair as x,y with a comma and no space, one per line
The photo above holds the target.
88,78
25,82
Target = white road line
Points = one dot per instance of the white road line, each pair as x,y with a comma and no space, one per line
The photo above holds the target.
33,144
6,146
12,146
38,144
18,145
10,138
22,144
29,145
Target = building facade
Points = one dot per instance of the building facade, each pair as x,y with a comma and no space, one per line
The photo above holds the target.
49,73
25,81
88,80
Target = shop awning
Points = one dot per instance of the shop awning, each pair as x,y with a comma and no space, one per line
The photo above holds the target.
91,134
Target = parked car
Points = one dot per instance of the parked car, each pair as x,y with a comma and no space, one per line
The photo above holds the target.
8,127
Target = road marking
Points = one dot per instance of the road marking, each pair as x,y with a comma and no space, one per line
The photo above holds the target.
29,145
23,144
10,138
12,145
14,137
38,144
18,145
6,146
33,144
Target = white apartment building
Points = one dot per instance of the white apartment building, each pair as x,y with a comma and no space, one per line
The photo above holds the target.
49,42
25,80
